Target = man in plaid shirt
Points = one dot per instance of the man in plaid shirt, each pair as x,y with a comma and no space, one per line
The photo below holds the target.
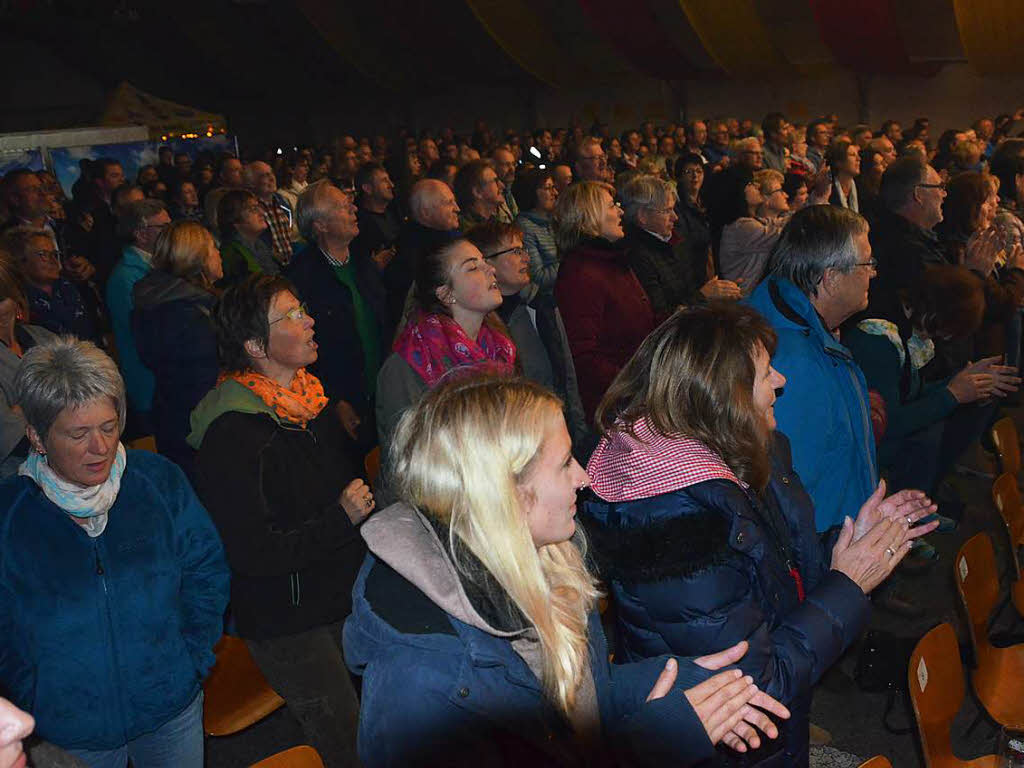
259,177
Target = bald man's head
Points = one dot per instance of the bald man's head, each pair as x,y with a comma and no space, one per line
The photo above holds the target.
433,205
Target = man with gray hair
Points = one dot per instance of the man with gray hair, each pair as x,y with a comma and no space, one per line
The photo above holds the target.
353,331
818,277
139,224
260,180
434,219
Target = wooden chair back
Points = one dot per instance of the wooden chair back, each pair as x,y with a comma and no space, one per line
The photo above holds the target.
977,581
296,757
881,761
1004,435
236,693
1006,497
936,682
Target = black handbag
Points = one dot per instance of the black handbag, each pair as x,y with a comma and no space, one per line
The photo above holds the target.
882,668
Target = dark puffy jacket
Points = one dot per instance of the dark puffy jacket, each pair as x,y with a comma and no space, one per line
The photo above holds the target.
698,569
605,311
175,340
665,277
107,638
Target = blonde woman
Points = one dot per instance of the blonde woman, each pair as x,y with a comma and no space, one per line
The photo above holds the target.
173,334
473,619
604,307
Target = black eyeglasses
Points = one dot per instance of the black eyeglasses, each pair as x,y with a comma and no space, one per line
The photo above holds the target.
940,185
517,250
872,263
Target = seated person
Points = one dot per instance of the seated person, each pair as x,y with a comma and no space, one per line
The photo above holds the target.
275,470
92,530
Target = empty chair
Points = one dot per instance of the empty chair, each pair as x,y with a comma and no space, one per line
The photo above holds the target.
296,757
1004,435
998,671
936,682
237,695
1006,497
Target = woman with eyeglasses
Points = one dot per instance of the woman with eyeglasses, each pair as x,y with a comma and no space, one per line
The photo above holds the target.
244,252
536,193
54,302
605,309
274,468
173,335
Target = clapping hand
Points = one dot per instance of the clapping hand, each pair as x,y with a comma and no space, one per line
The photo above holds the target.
728,704
909,506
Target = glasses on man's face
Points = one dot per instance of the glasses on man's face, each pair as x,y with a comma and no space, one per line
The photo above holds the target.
599,160
871,263
46,254
295,313
517,250
941,185
662,211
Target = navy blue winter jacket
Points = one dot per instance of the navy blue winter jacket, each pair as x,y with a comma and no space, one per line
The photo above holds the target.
699,569
440,692
105,639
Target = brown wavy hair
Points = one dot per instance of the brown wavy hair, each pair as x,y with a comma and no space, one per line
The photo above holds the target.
693,376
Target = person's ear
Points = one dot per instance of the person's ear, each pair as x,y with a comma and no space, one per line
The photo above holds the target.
445,294
254,349
34,439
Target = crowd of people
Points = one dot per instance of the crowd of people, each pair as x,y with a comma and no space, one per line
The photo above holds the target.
769,345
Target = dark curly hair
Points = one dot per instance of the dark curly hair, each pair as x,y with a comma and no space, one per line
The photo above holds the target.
241,315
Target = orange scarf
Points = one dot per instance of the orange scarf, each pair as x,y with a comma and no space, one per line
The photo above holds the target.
298,404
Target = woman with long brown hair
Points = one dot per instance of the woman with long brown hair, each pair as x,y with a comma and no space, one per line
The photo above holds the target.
702,528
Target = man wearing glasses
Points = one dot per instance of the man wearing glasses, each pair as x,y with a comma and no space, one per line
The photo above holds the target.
902,239
591,163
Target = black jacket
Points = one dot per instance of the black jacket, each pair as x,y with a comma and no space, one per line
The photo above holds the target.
340,363
903,250
665,277
175,340
272,489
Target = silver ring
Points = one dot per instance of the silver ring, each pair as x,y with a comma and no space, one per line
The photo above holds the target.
909,521
891,551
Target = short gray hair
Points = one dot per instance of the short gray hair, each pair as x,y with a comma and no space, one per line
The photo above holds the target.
312,207
645,191
817,238
133,216
65,373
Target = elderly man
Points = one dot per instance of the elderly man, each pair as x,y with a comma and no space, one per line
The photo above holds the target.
819,277
229,173
778,135
885,148
591,163
353,330
260,180
562,175
434,218
505,167
479,192
140,224
910,205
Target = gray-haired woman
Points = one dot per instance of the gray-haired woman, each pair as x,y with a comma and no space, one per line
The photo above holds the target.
113,581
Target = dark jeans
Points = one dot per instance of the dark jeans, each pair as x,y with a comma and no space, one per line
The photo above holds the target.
308,671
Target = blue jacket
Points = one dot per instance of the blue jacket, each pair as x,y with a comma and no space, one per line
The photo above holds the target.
438,691
701,568
106,639
138,379
824,406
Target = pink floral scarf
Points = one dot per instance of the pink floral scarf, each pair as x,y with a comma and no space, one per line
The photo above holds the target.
435,344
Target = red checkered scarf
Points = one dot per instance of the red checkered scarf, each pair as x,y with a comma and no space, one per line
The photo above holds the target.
627,468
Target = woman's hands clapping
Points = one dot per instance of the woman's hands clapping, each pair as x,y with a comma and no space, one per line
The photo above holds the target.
729,705
983,379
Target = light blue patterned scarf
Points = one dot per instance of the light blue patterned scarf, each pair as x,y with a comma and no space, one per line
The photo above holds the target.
90,505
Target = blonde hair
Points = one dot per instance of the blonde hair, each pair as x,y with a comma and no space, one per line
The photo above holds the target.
578,213
181,250
461,456
765,177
